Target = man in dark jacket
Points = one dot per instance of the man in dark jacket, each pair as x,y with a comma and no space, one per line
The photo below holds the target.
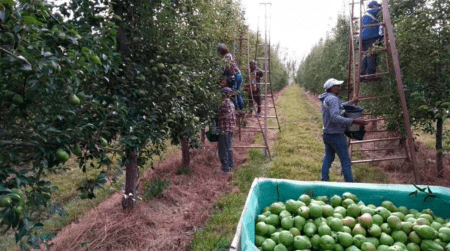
369,36
334,124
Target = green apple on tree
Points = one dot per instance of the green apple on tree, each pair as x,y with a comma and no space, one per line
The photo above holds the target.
74,100
103,142
62,155
17,99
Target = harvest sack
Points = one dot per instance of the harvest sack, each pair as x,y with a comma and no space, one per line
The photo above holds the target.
213,134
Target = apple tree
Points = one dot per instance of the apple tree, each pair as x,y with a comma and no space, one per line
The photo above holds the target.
423,39
55,102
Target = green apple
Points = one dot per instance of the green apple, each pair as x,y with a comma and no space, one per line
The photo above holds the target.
74,100
62,155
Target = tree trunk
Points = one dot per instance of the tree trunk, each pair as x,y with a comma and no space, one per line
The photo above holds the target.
123,43
131,174
185,153
203,135
439,155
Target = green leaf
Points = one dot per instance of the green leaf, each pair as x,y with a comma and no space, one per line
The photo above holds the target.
415,95
413,193
96,59
4,189
116,17
424,107
418,188
446,104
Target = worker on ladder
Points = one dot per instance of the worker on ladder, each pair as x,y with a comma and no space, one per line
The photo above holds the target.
255,93
370,35
233,74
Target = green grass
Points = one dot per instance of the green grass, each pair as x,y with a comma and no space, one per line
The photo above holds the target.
299,149
429,139
297,154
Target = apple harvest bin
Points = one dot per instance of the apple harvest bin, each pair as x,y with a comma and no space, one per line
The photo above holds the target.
265,191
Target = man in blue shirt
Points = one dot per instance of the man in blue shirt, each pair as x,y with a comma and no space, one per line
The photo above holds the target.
334,124
369,36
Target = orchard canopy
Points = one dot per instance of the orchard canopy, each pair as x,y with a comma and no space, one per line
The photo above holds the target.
98,81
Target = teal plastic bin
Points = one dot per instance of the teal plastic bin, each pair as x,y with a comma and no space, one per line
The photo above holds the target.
266,191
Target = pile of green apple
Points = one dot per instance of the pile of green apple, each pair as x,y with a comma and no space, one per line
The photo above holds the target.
348,224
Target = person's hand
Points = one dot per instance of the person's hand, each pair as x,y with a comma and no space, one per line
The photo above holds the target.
223,83
360,121
373,50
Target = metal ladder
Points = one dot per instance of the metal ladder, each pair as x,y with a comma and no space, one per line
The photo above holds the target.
269,101
354,89
241,51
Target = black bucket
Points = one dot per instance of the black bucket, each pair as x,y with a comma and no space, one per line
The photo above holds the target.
353,112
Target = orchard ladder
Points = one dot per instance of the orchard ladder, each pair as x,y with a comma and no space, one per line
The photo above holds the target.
354,87
266,91
242,55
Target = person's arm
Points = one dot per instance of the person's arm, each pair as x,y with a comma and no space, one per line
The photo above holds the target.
360,121
221,110
333,104
233,115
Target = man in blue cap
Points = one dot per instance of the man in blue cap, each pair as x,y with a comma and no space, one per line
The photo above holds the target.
369,36
226,125
334,124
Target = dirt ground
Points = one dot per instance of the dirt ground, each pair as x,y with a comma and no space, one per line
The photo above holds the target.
165,223
400,171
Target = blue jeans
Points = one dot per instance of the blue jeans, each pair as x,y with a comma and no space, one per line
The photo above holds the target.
369,62
336,143
226,150
236,85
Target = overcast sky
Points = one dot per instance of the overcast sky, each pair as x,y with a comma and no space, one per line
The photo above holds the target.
296,24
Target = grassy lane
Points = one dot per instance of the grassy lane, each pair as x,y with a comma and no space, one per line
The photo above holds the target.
298,155
299,148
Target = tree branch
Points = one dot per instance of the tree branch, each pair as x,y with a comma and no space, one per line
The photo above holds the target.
16,143
14,55
54,18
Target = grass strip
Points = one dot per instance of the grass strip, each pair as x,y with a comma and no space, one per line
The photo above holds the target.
299,149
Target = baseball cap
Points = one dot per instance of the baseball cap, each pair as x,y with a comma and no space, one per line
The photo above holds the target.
225,90
372,3
331,82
